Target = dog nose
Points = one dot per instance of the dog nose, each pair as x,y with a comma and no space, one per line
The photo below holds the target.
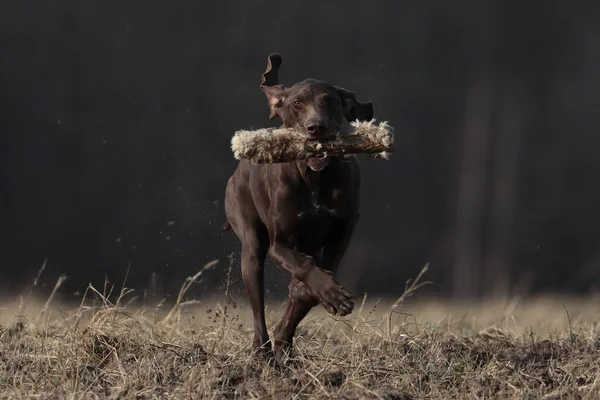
315,128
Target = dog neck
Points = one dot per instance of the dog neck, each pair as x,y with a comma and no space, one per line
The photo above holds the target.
312,179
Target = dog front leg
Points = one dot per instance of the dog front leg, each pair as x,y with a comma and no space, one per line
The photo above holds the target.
334,297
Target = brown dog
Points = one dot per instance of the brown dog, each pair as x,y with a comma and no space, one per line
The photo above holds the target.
301,213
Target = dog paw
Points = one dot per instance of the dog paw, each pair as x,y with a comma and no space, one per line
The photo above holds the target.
336,299
261,347
282,351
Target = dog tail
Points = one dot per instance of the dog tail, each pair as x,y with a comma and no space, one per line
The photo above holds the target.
226,226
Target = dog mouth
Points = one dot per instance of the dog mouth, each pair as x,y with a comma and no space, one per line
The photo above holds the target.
324,134
318,163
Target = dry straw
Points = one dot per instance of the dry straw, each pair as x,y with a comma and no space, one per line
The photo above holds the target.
115,348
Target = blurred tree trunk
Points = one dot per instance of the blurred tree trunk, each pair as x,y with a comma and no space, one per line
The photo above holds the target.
503,199
471,190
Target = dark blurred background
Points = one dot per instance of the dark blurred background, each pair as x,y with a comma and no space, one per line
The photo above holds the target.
116,117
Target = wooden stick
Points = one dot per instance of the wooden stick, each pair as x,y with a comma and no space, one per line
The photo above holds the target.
275,145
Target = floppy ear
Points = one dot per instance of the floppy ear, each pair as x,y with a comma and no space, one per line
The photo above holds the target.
270,84
353,109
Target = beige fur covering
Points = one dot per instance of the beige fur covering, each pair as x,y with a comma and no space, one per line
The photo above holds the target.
272,145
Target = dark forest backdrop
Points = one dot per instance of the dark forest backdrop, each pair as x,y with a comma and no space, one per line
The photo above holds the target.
115,121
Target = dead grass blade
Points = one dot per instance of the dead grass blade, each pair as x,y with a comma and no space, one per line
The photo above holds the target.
411,289
190,280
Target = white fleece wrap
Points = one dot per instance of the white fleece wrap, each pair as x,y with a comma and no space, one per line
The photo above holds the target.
273,145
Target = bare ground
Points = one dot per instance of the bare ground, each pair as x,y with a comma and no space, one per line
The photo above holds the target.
546,348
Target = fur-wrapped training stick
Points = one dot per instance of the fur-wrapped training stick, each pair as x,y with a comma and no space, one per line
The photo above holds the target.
276,145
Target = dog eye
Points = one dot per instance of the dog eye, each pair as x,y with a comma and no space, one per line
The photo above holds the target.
297,103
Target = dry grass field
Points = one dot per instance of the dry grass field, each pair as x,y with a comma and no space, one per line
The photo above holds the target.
537,349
